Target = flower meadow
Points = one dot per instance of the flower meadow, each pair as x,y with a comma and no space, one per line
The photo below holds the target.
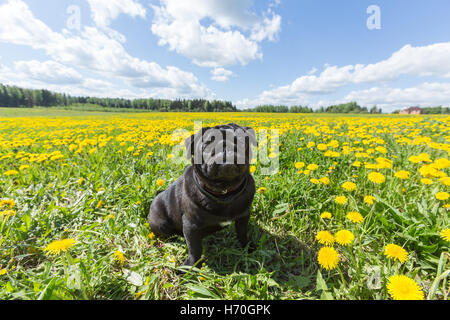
359,209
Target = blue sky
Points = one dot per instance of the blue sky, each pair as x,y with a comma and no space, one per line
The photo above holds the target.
251,52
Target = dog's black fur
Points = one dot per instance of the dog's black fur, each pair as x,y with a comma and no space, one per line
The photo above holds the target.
207,194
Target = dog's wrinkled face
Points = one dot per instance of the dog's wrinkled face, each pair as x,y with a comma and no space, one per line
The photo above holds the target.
221,155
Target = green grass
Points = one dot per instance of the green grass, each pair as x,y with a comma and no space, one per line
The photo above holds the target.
51,204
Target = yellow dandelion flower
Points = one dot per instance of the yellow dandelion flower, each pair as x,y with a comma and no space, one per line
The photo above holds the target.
355,217
369,199
151,236
356,164
349,186
109,217
23,167
426,170
341,200
442,163
402,174
119,257
383,163
424,157
58,246
81,181
328,258
299,165
7,203
344,237
325,237
414,159
396,252
381,149
442,196
426,181
10,173
261,190
7,213
314,181
252,169
160,182
372,166
312,167
326,215
324,180
445,234
376,177
445,181
99,204
401,287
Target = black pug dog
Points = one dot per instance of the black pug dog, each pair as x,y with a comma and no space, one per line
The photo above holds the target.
214,191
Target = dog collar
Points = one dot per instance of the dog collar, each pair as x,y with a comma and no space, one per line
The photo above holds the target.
215,197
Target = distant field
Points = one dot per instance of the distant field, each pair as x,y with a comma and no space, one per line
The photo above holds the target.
75,189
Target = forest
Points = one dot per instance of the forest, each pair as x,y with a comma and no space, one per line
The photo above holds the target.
351,107
15,97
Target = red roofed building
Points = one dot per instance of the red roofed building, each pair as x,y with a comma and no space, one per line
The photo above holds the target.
412,110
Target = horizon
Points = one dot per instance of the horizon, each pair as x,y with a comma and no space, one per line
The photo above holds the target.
272,52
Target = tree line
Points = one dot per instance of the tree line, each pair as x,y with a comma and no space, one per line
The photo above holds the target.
280,109
15,97
351,107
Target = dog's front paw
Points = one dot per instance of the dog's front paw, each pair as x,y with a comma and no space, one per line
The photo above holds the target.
251,247
191,261
245,243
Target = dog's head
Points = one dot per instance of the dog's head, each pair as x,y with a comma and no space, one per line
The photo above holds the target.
221,155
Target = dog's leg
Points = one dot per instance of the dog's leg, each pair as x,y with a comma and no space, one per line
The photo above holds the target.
159,221
242,229
194,243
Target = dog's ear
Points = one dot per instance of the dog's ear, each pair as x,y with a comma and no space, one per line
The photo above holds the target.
190,142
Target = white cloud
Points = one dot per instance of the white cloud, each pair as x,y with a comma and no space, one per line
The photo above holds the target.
18,25
94,50
280,96
54,76
431,60
426,94
221,74
48,72
183,27
313,71
103,11
426,61
268,29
